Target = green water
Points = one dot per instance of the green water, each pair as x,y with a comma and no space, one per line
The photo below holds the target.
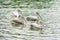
50,13
36,4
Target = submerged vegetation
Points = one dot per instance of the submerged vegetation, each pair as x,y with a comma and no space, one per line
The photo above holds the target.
36,4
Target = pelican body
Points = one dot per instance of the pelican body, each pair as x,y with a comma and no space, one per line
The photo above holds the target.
32,18
17,21
35,25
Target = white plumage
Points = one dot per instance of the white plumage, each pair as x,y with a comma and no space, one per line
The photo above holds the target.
15,13
36,25
31,18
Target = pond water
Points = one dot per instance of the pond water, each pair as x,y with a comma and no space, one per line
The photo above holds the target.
50,16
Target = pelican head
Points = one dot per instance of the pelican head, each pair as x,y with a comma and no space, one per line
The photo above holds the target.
17,13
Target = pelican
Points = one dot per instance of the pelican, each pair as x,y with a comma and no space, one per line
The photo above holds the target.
34,18
39,23
16,18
